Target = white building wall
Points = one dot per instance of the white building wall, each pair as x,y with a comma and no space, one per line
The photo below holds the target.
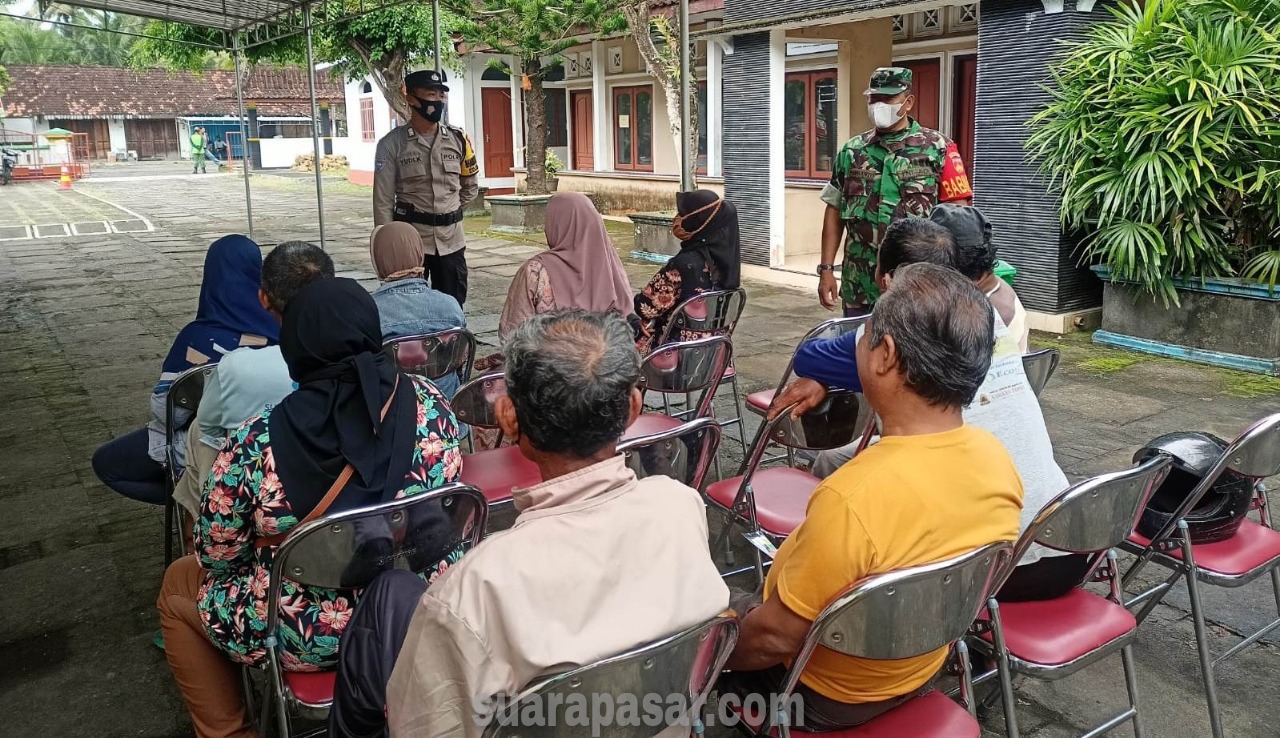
115,130
280,153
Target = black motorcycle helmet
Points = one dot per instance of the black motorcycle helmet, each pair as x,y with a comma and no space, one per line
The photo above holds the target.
1220,512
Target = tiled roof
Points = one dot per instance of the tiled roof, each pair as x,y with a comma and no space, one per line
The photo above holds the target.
92,92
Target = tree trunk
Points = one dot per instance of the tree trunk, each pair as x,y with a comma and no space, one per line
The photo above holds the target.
387,72
535,102
665,68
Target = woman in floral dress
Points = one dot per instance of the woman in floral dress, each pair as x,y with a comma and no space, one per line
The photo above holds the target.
351,409
709,260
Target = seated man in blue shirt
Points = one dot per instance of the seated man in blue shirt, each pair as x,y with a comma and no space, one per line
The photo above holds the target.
1005,404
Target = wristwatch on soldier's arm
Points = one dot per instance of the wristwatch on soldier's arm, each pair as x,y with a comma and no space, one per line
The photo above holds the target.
825,268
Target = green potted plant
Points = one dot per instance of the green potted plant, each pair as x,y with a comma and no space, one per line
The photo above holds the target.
552,167
1162,135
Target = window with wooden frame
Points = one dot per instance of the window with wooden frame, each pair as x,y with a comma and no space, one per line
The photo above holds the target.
367,130
557,107
810,117
633,128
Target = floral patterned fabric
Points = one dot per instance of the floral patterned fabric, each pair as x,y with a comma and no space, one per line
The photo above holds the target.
244,500
687,274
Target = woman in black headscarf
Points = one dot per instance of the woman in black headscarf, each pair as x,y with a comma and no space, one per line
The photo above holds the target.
709,260
354,433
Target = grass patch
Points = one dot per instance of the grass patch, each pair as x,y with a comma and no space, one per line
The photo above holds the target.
1104,365
1239,384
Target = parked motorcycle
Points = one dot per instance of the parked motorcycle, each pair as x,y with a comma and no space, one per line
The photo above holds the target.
8,160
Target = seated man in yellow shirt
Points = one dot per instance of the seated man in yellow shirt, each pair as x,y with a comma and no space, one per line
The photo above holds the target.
932,488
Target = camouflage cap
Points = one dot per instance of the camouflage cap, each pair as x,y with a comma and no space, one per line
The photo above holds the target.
889,81
427,79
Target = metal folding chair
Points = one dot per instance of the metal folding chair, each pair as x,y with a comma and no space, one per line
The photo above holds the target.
495,471
347,550
683,453
709,314
685,664
759,402
1051,639
435,355
1040,366
771,501
682,368
899,615
184,394
1252,551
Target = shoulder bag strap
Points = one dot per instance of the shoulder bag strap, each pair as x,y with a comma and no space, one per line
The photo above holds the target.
338,484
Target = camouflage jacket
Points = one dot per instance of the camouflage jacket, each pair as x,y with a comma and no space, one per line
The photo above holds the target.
880,178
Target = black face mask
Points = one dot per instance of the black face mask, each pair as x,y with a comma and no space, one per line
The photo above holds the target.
432,110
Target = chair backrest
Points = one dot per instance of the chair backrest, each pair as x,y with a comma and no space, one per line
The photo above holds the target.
346,550
824,331
185,393
905,613
1095,515
685,664
473,402
685,367
683,453
435,355
712,313
1254,453
1039,367
835,422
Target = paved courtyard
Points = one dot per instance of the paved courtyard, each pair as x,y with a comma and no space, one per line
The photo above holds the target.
89,312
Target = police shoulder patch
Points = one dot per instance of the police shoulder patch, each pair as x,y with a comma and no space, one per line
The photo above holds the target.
378,164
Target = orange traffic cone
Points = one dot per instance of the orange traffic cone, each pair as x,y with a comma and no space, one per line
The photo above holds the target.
64,182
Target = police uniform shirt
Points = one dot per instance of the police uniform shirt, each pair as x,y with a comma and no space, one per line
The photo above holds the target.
435,173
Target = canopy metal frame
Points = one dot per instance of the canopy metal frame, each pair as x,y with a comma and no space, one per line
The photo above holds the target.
246,24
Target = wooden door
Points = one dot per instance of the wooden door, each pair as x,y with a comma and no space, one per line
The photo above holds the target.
926,74
584,157
499,150
99,135
964,98
152,139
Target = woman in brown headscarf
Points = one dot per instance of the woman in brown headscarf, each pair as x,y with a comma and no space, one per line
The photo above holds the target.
407,306
580,269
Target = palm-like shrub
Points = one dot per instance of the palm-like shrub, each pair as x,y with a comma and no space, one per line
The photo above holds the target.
1163,135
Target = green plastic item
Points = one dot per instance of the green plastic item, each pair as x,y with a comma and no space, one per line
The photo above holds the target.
1006,271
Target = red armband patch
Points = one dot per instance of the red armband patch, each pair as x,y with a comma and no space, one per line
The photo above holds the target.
955,181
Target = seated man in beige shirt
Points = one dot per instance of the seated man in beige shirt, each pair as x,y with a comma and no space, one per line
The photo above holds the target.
597,562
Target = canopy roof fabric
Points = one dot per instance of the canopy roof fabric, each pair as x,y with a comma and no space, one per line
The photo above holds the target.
261,20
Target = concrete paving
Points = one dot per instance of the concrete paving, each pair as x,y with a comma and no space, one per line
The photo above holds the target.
87,319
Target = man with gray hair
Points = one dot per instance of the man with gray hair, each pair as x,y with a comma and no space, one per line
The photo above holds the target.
596,563
932,488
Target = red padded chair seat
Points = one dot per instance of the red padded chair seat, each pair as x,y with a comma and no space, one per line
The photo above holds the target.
1252,546
496,471
759,402
782,496
311,687
933,715
1058,631
649,423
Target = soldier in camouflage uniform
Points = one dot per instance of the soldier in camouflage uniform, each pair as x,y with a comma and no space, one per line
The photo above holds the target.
899,169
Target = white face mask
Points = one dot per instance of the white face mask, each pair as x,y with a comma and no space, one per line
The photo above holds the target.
883,115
